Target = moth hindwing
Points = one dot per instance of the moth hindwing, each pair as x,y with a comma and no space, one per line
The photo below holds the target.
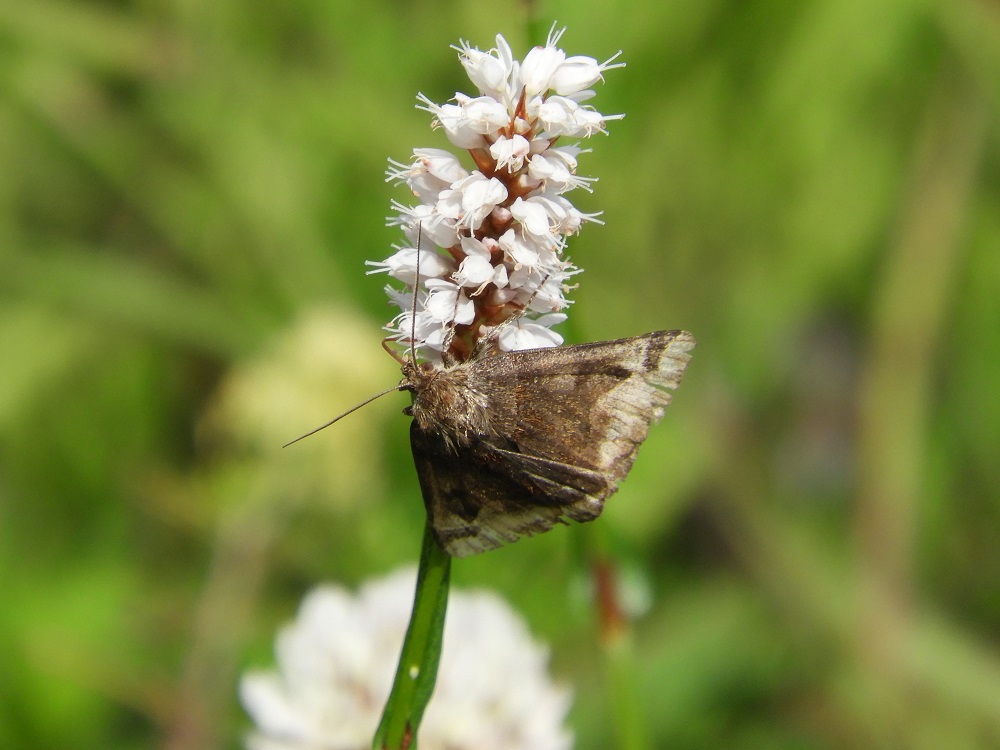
510,444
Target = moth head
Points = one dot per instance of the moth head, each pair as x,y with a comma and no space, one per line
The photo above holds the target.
416,375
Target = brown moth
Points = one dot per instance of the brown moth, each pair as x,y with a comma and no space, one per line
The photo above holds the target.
507,445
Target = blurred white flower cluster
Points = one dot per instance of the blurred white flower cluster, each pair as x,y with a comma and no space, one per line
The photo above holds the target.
492,239
337,660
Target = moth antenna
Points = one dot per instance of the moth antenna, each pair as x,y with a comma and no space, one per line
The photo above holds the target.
337,419
395,355
448,337
446,344
413,309
494,334
524,310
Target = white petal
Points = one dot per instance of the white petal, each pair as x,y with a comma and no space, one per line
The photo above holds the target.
474,271
557,115
403,265
457,126
532,215
578,73
510,152
538,66
472,246
465,310
487,71
525,334
440,163
485,115
500,276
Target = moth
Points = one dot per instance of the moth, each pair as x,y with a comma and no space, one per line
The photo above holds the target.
508,445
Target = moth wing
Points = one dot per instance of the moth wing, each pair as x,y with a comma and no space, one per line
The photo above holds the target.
590,405
480,496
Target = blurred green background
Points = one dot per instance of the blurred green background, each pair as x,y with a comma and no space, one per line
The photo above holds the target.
188,191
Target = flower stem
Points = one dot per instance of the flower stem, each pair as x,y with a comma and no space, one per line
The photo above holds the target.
418,661
620,665
618,648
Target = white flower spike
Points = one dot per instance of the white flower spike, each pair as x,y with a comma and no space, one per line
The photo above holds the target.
492,236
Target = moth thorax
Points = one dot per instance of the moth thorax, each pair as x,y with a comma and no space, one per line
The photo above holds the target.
446,401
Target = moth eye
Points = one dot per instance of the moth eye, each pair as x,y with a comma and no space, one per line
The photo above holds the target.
408,410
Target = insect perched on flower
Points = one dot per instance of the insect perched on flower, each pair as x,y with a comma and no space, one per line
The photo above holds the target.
512,433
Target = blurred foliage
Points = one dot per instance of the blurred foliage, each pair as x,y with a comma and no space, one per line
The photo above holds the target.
187,194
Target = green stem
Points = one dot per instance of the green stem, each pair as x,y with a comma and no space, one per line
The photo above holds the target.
621,667
418,661
618,649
